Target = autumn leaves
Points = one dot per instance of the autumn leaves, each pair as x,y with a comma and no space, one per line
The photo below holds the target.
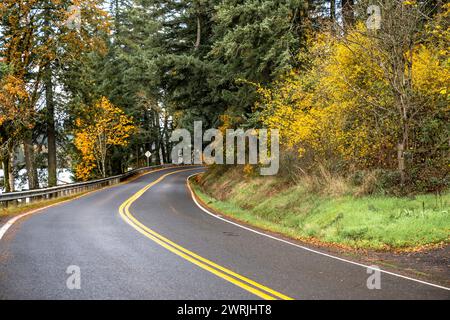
106,126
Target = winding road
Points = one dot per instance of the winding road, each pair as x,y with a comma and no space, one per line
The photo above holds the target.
148,239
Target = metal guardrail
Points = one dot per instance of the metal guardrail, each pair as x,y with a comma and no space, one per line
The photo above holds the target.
68,189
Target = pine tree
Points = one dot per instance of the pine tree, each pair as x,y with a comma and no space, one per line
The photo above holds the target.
256,40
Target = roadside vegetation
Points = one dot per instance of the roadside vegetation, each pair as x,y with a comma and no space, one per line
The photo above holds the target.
363,120
349,90
327,210
360,100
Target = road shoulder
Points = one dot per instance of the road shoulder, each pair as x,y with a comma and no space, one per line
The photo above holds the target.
432,265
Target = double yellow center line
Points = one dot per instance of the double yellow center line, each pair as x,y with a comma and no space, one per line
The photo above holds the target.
222,272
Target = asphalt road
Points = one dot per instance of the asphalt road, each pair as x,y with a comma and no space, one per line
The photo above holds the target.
156,243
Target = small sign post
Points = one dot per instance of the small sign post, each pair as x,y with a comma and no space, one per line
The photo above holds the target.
148,154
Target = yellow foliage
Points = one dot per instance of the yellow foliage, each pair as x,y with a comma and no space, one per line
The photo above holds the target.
13,100
431,75
341,107
248,169
107,126
228,122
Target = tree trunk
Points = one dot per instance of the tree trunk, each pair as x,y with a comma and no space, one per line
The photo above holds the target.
333,11
156,154
166,139
6,183
11,178
33,182
348,14
51,132
104,168
50,110
401,162
199,33
159,137
138,163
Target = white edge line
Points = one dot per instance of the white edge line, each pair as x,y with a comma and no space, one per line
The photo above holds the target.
11,221
300,246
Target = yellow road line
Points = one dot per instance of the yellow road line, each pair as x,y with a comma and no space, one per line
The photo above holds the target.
222,272
15,218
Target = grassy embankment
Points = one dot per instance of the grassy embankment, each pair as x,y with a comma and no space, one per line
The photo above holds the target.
338,218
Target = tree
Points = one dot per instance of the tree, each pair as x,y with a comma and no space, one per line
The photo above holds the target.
14,117
256,41
348,13
22,52
370,103
34,41
104,126
393,49
65,45
129,75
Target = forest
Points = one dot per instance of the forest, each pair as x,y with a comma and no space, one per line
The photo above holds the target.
357,89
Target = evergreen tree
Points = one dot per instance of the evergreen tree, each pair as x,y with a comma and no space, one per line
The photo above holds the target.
255,40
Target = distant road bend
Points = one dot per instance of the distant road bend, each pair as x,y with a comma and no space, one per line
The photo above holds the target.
148,239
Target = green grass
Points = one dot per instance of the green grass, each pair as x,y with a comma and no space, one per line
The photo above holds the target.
369,222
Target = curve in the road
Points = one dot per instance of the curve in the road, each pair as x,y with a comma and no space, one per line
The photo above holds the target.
10,222
194,198
117,262
216,269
